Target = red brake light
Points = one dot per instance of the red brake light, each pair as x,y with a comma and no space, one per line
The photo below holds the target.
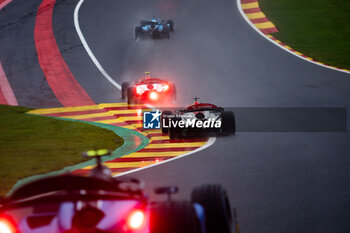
138,90
165,87
135,220
153,95
6,226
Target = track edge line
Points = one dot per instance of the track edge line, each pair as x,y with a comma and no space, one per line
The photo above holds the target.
87,48
210,142
239,6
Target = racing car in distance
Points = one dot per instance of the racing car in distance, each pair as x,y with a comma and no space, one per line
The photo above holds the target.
148,90
100,203
198,120
154,27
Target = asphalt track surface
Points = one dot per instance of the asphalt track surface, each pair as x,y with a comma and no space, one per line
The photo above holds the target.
279,182
18,55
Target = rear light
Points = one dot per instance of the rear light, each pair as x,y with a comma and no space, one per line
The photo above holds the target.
6,225
136,220
153,95
138,90
165,87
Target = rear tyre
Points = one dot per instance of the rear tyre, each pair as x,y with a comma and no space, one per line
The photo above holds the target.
173,91
216,206
165,118
228,123
175,133
173,217
131,98
125,86
171,24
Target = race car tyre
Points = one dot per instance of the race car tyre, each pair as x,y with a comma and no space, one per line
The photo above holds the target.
228,123
165,115
175,133
213,198
131,99
173,91
125,86
174,217
138,32
171,24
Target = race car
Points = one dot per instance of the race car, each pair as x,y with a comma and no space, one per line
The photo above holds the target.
100,203
198,120
148,90
154,27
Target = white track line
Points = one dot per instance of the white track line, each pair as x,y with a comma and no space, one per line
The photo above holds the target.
87,48
239,6
210,142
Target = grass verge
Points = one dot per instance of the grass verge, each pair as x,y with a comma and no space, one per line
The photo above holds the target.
31,145
317,28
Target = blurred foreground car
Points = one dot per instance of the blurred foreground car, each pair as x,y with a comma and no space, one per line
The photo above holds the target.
198,119
154,27
100,203
148,90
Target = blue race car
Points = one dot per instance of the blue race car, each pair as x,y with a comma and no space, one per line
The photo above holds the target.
155,27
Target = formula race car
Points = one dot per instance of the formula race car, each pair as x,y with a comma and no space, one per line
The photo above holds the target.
148,90
155,27
100,203
197,120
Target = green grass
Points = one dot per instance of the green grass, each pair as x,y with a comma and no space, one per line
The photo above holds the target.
317,28
31,144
